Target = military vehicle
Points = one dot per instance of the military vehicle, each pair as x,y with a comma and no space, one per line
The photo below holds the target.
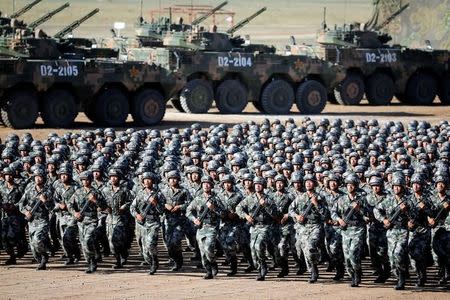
226,68
381,71
58,77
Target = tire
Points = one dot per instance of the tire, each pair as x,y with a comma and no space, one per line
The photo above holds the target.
177,105
20,109
258,106
277,98
148,107
111,108
59,108
197,96
332,98
231,97
444,90
311,97
402,98
421,89
350,91
380,89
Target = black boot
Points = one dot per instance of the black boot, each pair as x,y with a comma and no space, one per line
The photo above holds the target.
233,266
214,268
92,267
69,261
208,270
261,276
43,262
178,261
401,280
331,266
339,272
11,260
442,276
284,268
421,277
118,264
354,282
154,265
314,274
301,266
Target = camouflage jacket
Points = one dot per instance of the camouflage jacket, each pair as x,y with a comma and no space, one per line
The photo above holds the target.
230,201
421,221
197,207
30,200
9,199
343,210
315,214
62,196
283,201
174,197
141,205
442,220
80,198
118,202
388,208
262,215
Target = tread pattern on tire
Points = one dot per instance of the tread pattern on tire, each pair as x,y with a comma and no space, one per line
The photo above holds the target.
231,85
338,94
302,92
383,79
6,119
185,100
266,97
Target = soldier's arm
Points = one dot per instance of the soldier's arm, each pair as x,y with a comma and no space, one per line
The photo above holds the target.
242,208
293,209
133,207
380,212
191,213
335,211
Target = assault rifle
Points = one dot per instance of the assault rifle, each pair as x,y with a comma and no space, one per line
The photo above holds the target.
147,208
35,207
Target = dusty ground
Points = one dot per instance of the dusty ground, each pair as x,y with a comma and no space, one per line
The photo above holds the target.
22,282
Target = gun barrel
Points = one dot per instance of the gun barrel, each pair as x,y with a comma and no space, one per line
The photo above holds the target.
391,17
245,21
209,13
75,24
47,16
24,9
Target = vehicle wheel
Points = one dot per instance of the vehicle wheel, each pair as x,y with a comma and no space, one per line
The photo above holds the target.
444,91
311,97
402,98
380,89
177,105
421,89
231,97
112,108
59,108
332,98
20,109
258,106
197,96
277,97
148,107
350,91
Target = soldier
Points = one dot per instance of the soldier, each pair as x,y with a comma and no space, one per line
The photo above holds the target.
118,200
333,235
147,208
286,240
36,204
377,233
99,181
83,206
420,237
68,231
230,225
396,214
206,211
260,211
351,212
310,212
12,222
177,200
439,221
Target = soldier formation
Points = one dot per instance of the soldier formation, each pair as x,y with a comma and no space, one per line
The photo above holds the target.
325,191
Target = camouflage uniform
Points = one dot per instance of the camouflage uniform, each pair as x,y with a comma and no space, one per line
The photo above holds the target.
88,225
38,226
68,230
261,229
309,234
118,200
208,230
13,222
150,226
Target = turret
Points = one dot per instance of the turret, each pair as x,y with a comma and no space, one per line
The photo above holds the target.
47,16
75,24
245,21
24,9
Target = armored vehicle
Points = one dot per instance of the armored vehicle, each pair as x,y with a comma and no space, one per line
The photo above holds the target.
381,71
226,68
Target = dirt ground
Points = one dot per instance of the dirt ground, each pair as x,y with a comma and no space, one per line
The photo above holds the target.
23,282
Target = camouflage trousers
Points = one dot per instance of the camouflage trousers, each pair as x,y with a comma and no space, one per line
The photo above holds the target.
39,238
229,238
88,239
398,248
419,248
190,231
309,238
260,239
206,240
441,245
286,241
333,244
69,235
378,246
102,241
12,232
149,237
352,246
174,234
116,230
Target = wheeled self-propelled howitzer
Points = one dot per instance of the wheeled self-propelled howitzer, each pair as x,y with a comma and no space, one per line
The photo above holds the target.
381,71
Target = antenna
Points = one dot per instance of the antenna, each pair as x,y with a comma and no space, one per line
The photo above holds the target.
324,23
141,11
